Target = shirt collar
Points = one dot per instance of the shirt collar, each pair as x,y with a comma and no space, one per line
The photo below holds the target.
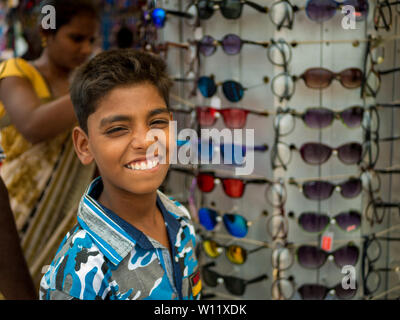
115,237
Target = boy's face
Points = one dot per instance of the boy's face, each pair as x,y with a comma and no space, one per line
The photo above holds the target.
116,139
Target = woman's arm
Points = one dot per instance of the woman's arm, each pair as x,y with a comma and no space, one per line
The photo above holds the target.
15,280
34,123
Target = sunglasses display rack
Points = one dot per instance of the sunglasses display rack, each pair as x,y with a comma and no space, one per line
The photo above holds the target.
293,235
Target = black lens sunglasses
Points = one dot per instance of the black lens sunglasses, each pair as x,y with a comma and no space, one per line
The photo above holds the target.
234,285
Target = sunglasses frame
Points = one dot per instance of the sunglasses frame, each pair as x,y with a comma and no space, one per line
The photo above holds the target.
244,283
328,290
327,255
216,113
225,248
329,223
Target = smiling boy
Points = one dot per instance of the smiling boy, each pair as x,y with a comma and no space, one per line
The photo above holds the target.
131,241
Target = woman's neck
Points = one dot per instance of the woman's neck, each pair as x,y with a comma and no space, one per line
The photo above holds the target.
51,70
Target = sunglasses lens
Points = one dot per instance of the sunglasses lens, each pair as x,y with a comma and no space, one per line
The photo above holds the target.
234,285
351,188
231,9
205,150
317,78
361,8
206,116
318,118
207,46
231,44
351,78
352,117
236,254
158,17
318,190
321,10
211,248
233,187
311,257
312,222
208,218
233,153
210,277
347,255
350,153
282,289
233,90
236,225
313,292
348,221
342,293
234,118
207,86
205,9
315,153
205,182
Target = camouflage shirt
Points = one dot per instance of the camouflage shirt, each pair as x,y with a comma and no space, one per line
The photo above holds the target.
105,257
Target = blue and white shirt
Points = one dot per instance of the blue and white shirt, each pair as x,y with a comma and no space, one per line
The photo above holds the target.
105,257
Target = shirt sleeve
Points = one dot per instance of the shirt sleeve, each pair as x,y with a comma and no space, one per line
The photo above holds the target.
16,67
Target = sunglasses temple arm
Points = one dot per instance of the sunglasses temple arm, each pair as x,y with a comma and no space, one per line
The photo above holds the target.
261,148
390,138
258,279
387,105
257,6
257,249
179,13
389,71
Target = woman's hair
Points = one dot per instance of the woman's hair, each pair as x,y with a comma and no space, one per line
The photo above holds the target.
66,10
111,69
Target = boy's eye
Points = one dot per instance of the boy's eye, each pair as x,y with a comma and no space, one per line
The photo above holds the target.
115,130
159,122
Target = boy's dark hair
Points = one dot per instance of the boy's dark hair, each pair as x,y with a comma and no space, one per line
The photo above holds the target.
111,69
66,10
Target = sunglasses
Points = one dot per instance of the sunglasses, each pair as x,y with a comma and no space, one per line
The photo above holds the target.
159,16
312,257
231,153
318,153
236,286
283,84
320,292
324,10
231,44
233,90
230,9
235,253
383,16
372,251
275,193
235,224
320,117
279,52
314,222
322,190
234,118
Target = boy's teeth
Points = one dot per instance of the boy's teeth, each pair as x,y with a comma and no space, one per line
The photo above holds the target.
145,165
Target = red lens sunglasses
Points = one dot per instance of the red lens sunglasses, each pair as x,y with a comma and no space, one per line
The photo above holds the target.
234,118
233,187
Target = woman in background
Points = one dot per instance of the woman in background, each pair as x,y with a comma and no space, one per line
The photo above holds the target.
44,178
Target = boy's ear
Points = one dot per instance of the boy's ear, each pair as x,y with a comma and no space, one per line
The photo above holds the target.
81,145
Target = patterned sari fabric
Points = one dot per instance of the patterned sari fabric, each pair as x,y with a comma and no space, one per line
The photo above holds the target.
45,181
